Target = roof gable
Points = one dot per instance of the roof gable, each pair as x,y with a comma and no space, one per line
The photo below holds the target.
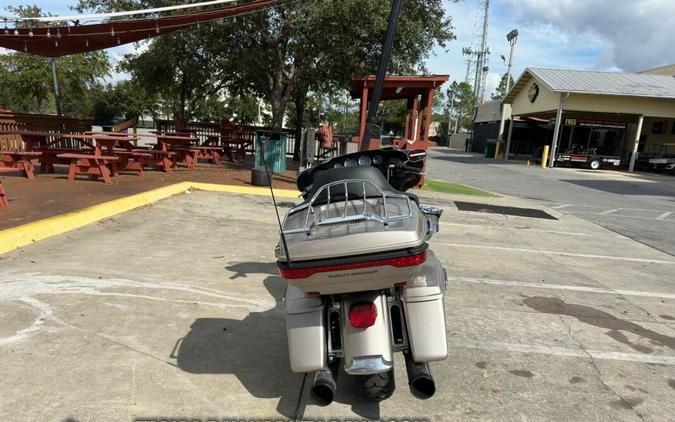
598,83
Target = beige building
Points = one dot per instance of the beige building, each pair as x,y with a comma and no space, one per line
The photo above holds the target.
621,114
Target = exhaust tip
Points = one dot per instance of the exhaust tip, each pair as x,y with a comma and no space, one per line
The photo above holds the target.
323,394
423,388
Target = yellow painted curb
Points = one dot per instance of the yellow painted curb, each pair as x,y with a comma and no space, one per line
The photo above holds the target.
17,237
245,190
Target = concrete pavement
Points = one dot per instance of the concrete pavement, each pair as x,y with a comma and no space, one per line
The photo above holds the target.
174,311
641,205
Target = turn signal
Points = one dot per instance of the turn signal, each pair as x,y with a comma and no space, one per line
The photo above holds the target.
362,314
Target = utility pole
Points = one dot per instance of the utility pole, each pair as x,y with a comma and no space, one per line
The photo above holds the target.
512,38
57,93
483,57
381,73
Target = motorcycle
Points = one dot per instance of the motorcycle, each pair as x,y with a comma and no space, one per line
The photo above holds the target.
362,283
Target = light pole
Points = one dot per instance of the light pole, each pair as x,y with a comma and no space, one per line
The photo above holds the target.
511,37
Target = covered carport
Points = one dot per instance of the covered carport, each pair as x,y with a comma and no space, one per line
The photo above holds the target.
632,112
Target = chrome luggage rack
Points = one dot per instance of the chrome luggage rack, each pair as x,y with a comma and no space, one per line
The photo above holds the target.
324,219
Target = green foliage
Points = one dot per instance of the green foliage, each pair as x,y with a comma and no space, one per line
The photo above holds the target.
281,54
464,100
26,84
500,91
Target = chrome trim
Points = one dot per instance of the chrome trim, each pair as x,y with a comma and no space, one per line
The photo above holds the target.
433,214
368,365
320,220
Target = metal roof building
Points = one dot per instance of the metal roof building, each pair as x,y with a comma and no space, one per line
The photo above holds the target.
626,112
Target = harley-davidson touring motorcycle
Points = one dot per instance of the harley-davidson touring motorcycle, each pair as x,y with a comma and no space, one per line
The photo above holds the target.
362,282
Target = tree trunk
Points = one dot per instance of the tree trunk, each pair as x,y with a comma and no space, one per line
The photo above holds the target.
278,109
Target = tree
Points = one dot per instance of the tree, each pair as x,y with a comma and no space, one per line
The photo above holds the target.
283,54
500,92
464,100
26,80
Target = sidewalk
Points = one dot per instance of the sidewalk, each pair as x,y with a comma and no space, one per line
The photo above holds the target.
175,310
52,194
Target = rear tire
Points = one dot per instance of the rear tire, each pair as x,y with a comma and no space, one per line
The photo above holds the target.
378,387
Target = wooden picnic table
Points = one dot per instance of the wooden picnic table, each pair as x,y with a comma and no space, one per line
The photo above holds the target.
180,145
3,197
93,165
18,161
232,146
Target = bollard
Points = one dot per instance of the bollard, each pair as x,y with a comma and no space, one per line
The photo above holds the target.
544,156
497,150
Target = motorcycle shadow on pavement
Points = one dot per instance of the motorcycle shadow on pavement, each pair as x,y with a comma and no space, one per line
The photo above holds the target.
255,350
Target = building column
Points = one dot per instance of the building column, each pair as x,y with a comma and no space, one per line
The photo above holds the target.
364,113
556,130
638,133
417,121
427,118
508,137
408,118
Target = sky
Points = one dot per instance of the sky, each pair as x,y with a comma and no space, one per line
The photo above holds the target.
606,35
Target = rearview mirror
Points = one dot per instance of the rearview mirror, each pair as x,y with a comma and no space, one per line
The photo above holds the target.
417,155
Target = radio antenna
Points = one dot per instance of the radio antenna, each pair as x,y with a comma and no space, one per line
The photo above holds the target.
263,141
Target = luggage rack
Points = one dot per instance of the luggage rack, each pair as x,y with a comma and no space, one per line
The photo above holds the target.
364,215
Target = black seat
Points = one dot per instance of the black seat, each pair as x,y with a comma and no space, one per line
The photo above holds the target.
371,174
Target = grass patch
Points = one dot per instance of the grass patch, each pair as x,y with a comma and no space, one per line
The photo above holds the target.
453,188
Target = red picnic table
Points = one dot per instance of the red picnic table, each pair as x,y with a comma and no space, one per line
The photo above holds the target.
3,197
234,139
131,157
38,141
90,161
18,161
181,145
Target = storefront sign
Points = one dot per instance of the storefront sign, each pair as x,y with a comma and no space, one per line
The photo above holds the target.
606,124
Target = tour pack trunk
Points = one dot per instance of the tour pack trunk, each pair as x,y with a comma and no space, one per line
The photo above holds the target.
335,250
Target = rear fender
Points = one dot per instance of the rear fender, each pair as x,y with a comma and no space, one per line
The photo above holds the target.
367,350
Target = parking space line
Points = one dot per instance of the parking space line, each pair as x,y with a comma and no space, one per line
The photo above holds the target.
561,351
559,207
586,289
616,215
664,215
610,211
528,229
553,205
576,255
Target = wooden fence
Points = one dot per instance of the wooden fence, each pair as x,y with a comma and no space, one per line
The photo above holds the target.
39,123
203,130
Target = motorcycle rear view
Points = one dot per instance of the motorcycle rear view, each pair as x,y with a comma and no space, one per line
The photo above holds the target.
362,281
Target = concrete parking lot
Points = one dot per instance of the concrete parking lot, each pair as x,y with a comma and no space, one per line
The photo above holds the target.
640,205
174,310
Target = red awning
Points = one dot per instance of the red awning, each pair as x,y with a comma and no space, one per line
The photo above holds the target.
67,40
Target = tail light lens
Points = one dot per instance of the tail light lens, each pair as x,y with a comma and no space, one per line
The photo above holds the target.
362,314
405,261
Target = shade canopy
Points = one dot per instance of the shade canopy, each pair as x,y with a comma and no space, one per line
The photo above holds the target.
398,87
57,41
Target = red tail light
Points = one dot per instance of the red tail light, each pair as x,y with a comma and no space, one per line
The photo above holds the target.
362,314
405,261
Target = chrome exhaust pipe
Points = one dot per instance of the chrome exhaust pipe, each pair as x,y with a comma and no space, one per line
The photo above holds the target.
420,380
324,387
